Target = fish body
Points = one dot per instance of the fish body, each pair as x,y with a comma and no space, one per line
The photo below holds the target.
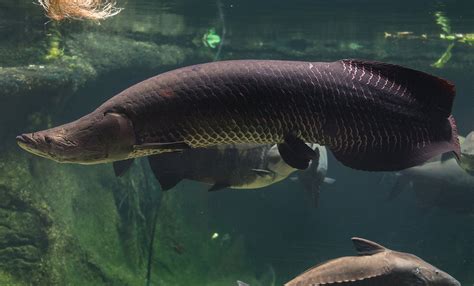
441,182
236,166
447,173
438,183
375,266
371,115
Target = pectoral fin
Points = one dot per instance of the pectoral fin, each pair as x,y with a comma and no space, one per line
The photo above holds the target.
121,167
296,153
162,167
181,145
263,172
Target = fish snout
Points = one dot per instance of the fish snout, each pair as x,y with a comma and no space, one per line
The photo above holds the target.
25,140
35,143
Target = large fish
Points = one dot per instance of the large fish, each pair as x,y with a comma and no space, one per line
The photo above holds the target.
237,166
371,115
375,266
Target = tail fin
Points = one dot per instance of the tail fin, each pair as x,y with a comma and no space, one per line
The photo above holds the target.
435,94
409,156
418,127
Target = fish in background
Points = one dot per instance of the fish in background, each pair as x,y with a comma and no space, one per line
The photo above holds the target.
441,182
467,153
375,265
372,116
237,166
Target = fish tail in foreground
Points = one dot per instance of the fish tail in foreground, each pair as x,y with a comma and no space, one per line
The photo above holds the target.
392,141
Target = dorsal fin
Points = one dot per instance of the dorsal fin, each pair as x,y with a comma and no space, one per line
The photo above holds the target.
433,93
367,247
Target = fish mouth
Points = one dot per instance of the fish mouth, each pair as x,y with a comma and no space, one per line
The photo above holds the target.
51,147
27,143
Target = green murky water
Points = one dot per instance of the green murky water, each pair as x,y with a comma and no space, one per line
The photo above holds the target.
79,225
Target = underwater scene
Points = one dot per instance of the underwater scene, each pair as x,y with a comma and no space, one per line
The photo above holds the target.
302,142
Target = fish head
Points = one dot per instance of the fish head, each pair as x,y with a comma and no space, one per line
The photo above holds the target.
420,272
94,138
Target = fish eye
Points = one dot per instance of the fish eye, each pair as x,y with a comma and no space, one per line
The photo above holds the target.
48,139
436,272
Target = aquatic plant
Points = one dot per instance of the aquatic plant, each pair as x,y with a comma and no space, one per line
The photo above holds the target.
211,39
54,49
444,58
443,21
447,35
79,9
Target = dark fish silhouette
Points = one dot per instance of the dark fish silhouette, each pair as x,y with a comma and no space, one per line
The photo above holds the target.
371,115
375,266
237,166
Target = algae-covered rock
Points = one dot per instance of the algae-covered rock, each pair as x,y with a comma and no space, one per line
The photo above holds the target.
24,224
79,225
